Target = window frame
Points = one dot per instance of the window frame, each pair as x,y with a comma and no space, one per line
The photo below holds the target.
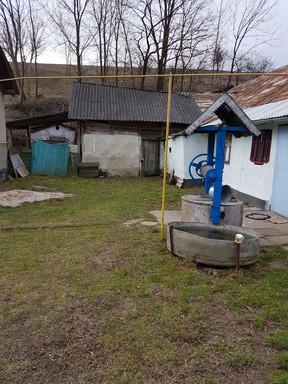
261,147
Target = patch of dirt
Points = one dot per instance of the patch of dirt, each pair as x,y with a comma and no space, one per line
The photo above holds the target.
277,264
17,197
105,261
229,330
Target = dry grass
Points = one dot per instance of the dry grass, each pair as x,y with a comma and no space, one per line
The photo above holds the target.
84,299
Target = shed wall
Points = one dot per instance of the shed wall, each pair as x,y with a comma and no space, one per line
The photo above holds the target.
119,154
62,131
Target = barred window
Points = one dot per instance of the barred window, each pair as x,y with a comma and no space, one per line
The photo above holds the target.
260,149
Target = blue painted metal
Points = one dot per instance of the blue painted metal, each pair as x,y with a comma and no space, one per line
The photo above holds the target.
198,165
213,175
219,166
217,128
210,177
49,159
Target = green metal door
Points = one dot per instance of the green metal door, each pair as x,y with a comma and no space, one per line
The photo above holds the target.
151,157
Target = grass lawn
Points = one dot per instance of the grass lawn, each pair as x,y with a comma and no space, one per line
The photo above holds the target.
85,299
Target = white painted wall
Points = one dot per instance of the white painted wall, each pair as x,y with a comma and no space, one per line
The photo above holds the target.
194,145
246,177
119,154
3,139
62,131
183,150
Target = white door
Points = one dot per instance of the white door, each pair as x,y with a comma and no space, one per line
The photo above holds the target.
279,202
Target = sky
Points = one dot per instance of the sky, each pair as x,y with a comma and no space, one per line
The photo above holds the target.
278,53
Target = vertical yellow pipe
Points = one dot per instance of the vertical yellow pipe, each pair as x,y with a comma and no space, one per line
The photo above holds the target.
166,152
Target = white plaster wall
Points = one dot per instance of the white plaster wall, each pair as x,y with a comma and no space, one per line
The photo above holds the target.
45,134
119,154
175,156
193,145
183,150
3,140
246,177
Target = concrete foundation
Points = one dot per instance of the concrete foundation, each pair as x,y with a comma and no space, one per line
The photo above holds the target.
212,245
197,208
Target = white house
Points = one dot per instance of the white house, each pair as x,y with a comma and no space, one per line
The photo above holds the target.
6,88
256,167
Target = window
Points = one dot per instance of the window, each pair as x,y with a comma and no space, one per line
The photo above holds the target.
261,145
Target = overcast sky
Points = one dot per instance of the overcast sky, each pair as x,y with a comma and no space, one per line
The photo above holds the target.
277,53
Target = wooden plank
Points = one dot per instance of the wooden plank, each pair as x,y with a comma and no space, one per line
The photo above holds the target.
18,165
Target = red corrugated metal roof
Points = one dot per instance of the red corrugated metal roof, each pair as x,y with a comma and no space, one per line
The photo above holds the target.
264,89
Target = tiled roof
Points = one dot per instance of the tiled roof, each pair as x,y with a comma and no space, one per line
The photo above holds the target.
100,102
263,89
7,87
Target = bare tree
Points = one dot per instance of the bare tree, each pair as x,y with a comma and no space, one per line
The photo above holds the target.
37,38
23,35
14,36
103,14
250,21
171,34
220,40
193,38
68,17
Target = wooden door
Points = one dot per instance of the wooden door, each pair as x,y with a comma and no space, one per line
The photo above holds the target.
151,157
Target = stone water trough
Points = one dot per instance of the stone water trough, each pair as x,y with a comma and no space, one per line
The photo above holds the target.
212,245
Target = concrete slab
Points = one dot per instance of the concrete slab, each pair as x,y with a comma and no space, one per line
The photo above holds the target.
265,242
169,216
149,223
281,227
278,240
277,219
270,231
254,224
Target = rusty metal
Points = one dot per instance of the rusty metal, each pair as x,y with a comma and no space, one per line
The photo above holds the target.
237,256
171,239
262,90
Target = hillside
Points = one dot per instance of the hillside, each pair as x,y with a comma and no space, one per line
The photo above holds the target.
54,94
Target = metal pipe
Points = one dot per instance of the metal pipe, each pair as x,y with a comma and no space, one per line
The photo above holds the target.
166,152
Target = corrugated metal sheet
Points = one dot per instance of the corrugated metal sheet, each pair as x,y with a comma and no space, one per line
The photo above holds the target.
98,102
204,100
49,159
228,111
268,111
265,112
262,90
